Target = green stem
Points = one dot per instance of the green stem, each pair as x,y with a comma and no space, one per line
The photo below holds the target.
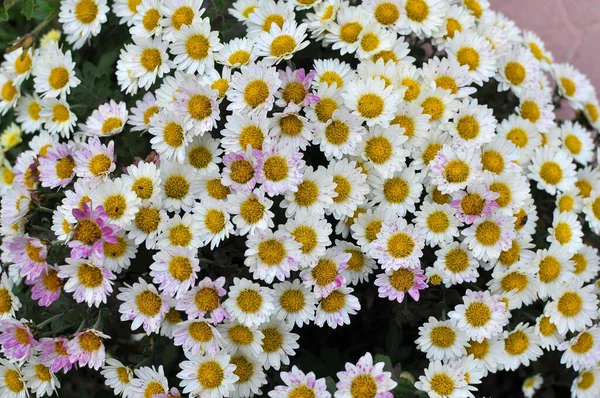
45,22
40,229
45,209
47,321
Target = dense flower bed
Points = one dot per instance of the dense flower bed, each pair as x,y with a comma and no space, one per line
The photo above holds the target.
299,199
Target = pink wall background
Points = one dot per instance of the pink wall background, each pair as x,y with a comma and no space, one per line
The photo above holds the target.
570,29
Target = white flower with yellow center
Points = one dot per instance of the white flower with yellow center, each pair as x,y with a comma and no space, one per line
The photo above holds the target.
591,110
313,194
336,308
267,14
481,316
573,306
242,9
249,303
518,347
553,169
243,130
367,226
145,60
457,19
386,71
253,88
587,263
410,118
215,224
18,63
180,231
209,376
439,223
537,48
441,340
294,303
148,382
143,112
520,281
373,39
178,14
383,149
351,188
371,101
241,338
360,266
237,52
144,179
582,351
319,22
344,33
488,236
57,116
536,106
199,104
388,13
251,376
423,17
179,186
174,270
474,51
95,161
9,303
148,222
519,253
280,43
340,135
325,275
119,202
548,334
13,381
198,337
331,71
87,280
572,84
586,384
146,20
118,376
27,113
218,81
143,305
591,209
278,168
399,191
250,210
517,71
454,167
108,120
82,20
330,100
194,46
165,94
439,104
126,10
278,344
312,234
487,358
588,179
473,124
11,136
448,74
398,245
455,264
427,149
443,381
565,233
578,141
271,255
499,157
53,35
512,189
118,255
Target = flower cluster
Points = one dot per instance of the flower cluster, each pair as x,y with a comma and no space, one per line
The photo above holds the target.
423,153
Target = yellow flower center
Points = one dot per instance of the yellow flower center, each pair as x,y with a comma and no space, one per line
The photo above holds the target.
514,281
492,161
90,342
176,187
370,105
256,93
447,83
468,56
117,249
273,19
585,342
272,341
349,32
530,111
282,45
249,301
478,314
580,263
244,369
302,391
252,210
510,256
452,26
307,193
60,113
386,13
180,268
89,276
275,168
150,19
324,109
331,77
568,86
551,172
457,171
413,89
180,235
515,73
434,107
343,188
148,303
363,386
87,232
199,107
570,304
372,229
182,16
478,350
573,143
206,299
442,336
23,64
438,222
33,110
488,233
324,272
153,388
13,381
369,42
334,302
468,127
271,252
400,245
587,380
200,331
417,10
292,300
210,375
151,59
378,149
516,343
115,206
151,111
197,46
457,260
239,57
442,384
86,11
147,219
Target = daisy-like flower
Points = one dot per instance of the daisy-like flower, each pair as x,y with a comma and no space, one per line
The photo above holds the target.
473,124
320,21
47,287
441,380
371,101
297,382
499,156
147,224
87,281
312,234
569,201
9,303
278,168
179,185
108,120
118,377
149,381
548,334
395,284
585,384
582,351
573,307
295,85
95,161
251,211
422,17
336,308
522,133
481,316
91,230
267,14
57,167
243,130
215,221
194,46
86,348
572,84
440,105
29,255
143,305
143,112
204,154
360,266
475,201
57,116
410,118
364,376
250,376
9,93
180,231
28,113
553,169
82,19
13,382
210,376
490,235
587,263
457,19
252,88
272,255
518,347
278,344
399,191
345,31
578,141
146,20
197,337
326,275
249,303
373,39
456,264
241,338
16,340
144,179
204,300
237,53
281,42
240,171
517,70
474,51
117,200
351,188
179,14
454,167
313,194
339,135
242,9
536,107
332,71
53,353
383,149
512,190
398,245
144,61
39,379
53,70
171,135
521,280
294,303
591,110
19,62
587,180
441,340
565,233
198,102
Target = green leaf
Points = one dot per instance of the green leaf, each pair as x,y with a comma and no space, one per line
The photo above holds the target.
3,14
28,6
330,383
388,366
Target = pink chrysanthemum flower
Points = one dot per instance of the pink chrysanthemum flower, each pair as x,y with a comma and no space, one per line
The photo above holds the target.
95,161
57,167
16,341
175,270
205,299
91,231
475,201
89,282
87,348
240,171
298,383
47,287
394,285
295,85
29,255
279,168
53,353
364,375
325,275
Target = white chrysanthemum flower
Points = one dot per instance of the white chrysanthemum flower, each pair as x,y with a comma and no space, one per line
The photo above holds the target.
573,306
278,168
565,233
313,194
373,39
536,106
252,88
118,201
87,281
271,255
143,305
9,303
400,191
439,223
520,280
180,231
382,148
398,245
108,120
178,14
251,211
313,236
242,9
511,189
149,381
237,53
330,99
82,19
553,169
572,84
268,13
351,188
582,351
13,380
336,308
454,167
194,46
364,377
518,347
371,100
281,42
360,266
145,60
179,185
210,376
499,156
215,224
325,276
548,334
441,340
148,223
331,71
474,51
241,338
345,31
426,150
367,226
457,19
340,135
578,141
481,316
443,381
251,376
249,303
118,255
145,22
278,344
175,270
198,337
490,235
587,263
517,70
294,303
57,116
28,113
455,264
569,201
473,124
423,17
118,377
414,123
